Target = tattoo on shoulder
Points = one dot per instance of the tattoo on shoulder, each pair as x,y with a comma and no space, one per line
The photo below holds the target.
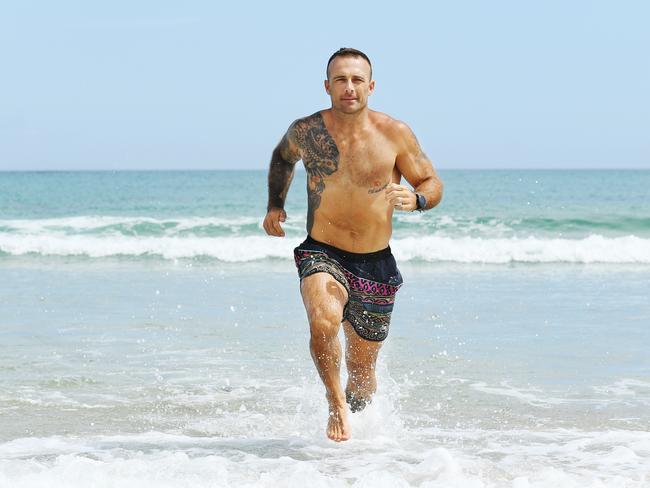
320,156
285,148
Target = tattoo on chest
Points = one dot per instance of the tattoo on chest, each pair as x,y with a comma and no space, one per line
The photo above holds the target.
321,158
378,188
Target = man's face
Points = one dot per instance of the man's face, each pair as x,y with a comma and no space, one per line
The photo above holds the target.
349,84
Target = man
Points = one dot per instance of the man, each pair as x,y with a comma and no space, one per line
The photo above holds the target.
355,158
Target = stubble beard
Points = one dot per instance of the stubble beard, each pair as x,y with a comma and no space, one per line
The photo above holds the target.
350,110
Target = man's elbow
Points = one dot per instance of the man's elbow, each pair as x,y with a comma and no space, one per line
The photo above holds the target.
437,190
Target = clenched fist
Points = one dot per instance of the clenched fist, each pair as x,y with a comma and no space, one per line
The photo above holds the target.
401,197
272,221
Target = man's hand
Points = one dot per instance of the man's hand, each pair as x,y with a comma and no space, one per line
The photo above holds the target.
272,221
401,197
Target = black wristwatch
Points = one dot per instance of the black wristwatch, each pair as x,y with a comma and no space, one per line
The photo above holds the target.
420,202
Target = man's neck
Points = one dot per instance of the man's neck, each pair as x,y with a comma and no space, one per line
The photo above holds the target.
349,122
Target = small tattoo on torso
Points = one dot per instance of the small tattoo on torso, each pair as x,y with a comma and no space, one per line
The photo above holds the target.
377,189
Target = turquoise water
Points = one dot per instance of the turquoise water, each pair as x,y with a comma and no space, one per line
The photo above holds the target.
153,336
486,216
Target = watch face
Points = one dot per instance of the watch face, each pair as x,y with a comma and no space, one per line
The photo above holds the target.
421,201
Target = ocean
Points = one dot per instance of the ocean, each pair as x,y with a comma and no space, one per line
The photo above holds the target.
153,336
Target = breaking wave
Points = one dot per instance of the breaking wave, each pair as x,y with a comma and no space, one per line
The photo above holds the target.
463,249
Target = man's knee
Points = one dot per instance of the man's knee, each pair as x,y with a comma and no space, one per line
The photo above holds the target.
324,299
324,322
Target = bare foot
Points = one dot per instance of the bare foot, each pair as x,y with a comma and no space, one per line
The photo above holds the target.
338,428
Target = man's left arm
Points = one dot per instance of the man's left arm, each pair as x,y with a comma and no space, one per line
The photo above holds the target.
418,170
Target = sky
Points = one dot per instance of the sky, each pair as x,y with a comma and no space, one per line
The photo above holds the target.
214,85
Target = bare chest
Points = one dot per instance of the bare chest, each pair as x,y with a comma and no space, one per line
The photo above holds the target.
344,160
365,162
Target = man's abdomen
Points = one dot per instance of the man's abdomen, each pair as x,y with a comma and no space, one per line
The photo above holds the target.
355,223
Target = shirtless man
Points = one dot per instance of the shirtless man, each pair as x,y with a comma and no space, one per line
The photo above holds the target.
355,158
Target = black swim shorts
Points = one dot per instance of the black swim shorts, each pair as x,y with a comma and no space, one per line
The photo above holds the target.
371,280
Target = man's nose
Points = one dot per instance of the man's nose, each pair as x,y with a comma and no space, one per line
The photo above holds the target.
349,87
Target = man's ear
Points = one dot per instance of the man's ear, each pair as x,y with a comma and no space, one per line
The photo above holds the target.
371,87
327,86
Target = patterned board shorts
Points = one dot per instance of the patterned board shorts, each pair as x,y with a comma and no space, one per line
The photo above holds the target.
371,280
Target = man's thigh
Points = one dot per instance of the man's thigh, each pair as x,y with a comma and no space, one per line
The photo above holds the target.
323,297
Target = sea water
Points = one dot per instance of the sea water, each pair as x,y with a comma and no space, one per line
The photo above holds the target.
152,335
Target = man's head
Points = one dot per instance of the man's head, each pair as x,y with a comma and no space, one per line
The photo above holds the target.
348,51
349,80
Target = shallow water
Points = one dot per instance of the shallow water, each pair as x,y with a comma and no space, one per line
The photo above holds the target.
153,336
122,373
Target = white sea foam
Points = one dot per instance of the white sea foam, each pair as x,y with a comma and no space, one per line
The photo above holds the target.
233,249
627,389
96,222
428,458
593,249
531,396
174,224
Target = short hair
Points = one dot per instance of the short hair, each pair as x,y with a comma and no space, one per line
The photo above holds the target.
347,51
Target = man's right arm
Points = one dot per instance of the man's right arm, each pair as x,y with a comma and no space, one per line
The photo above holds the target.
283,161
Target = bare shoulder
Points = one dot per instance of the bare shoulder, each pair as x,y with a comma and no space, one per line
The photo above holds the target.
303,125
307,121
291,145
395,130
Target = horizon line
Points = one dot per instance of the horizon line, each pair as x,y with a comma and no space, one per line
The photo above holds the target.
301,169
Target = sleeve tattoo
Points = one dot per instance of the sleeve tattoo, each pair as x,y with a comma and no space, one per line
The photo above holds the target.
283,161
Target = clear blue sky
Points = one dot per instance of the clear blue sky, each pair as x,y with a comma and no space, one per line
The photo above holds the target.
210,85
